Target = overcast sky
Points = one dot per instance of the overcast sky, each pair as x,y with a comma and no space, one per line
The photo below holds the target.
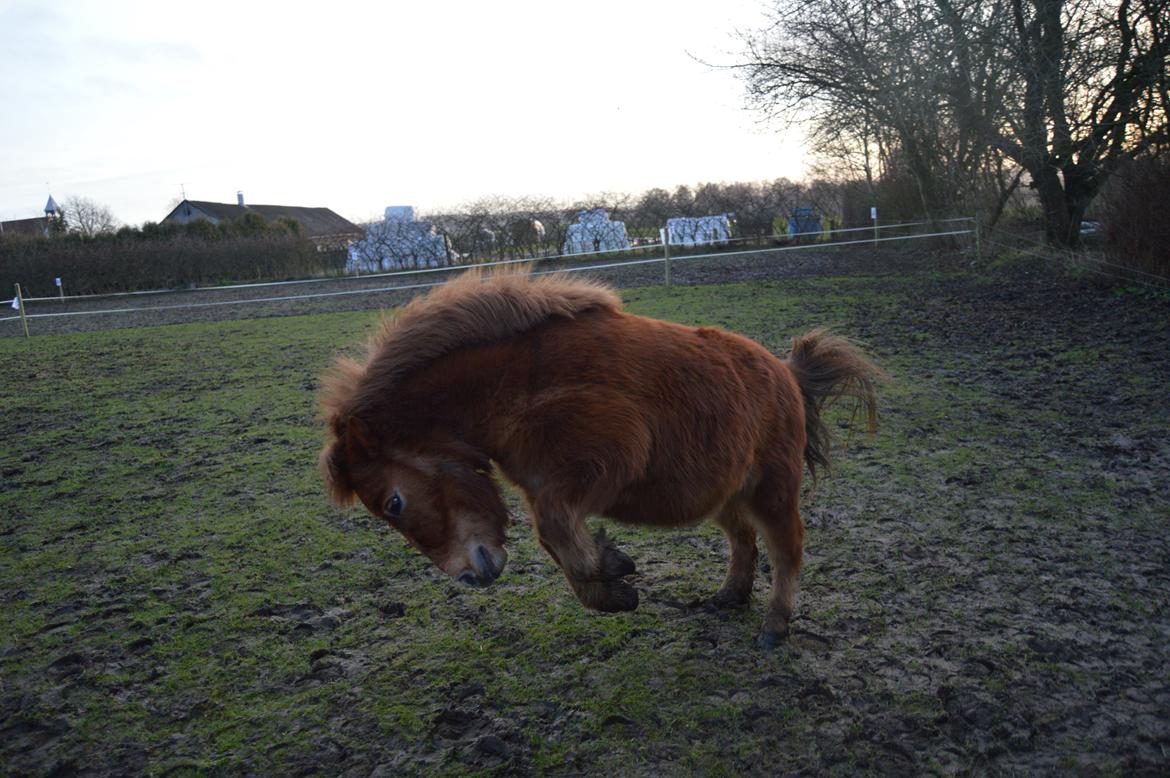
355,105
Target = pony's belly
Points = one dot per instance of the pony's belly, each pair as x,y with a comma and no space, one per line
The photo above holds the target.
653,508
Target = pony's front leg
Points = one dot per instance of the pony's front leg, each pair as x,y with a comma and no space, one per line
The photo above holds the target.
593,567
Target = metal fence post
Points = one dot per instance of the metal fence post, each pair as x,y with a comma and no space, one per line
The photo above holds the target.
20,304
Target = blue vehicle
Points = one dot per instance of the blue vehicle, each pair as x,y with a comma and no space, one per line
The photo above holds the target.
803,221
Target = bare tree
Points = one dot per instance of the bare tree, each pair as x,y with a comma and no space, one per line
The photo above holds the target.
472,227
869,78
527,221
88,218
683,201
650,213
947,90
1090,94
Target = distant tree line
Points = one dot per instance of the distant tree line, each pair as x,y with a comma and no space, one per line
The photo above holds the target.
500,228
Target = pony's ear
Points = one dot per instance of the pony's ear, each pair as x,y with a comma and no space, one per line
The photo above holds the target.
467,456
359,443
334,473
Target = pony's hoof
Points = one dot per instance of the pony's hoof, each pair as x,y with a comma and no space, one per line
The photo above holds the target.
619,596
769,640
614,563
774,632
727,599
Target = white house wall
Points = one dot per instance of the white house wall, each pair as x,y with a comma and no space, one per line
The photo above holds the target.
192,214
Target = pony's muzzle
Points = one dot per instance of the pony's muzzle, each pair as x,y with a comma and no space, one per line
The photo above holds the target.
485,566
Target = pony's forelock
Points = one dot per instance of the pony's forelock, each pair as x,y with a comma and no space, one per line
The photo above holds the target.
340,388
333,471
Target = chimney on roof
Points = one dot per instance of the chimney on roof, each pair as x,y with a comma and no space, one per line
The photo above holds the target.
240,198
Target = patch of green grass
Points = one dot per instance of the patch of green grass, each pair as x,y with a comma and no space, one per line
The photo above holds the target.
179,596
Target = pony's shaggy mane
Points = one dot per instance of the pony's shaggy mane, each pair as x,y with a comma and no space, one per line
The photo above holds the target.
476,308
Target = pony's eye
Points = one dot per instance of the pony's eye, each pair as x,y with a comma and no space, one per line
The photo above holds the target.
394,506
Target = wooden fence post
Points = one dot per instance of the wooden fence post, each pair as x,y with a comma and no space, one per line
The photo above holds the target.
666,251
20,304
978,239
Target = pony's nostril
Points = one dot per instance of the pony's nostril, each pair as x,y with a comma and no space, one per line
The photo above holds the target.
468,578
487,568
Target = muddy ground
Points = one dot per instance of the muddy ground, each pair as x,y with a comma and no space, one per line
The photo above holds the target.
986,586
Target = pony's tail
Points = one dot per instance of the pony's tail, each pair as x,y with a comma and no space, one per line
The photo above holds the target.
829,367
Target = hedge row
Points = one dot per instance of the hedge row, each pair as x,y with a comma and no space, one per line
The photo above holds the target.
120,263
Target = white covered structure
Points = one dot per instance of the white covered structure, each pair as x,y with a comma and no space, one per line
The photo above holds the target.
594,231
699,230
398,242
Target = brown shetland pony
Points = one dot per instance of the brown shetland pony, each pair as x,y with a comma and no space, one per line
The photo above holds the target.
590,411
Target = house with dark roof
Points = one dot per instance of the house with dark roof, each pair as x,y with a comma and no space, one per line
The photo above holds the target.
36,227
322,226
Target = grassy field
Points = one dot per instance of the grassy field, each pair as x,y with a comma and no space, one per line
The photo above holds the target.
985,591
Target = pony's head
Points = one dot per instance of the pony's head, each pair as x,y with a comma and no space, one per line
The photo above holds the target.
440,497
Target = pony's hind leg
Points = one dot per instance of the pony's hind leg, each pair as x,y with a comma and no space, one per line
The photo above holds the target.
734,520
593,566
776,505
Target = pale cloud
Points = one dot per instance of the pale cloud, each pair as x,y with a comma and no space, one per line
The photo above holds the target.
359,105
